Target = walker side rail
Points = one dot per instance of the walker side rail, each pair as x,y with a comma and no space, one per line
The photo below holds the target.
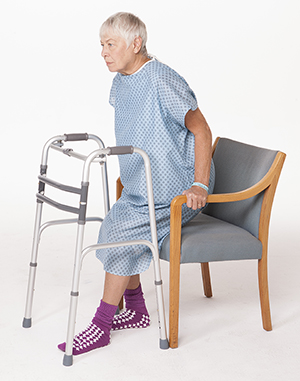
80,253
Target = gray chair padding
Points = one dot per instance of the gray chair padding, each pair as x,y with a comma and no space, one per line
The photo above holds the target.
207,239
238,167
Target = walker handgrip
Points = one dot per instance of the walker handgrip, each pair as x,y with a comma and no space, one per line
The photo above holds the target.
120,150
75,137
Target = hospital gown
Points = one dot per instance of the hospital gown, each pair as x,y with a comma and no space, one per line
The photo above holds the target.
150,108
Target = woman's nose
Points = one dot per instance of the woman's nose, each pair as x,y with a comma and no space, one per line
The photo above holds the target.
104,52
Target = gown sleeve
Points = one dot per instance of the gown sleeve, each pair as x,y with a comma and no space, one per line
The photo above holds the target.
175,97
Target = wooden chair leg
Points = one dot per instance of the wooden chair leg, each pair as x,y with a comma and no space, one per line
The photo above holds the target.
175,244
264,293
206,280
174,304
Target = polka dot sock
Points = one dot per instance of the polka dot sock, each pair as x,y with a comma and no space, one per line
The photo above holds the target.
130,319
135,314
96,334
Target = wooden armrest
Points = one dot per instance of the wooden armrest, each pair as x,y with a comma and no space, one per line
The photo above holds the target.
178,201
228,197
263,184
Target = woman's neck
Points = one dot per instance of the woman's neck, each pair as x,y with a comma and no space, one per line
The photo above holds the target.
139,62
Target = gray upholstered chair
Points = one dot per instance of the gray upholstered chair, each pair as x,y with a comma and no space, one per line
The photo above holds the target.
234,226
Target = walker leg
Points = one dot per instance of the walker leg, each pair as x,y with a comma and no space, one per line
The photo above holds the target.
157,276
33,265
68,357
68,360
163,343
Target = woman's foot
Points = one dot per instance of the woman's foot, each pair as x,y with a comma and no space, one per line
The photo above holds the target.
136,314
91,338
97,333
130,319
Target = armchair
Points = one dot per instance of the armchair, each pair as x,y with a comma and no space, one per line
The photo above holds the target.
234,226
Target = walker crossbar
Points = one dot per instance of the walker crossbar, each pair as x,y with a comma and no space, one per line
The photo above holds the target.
60,186
66,221
66,208
81,211
96,156
71,153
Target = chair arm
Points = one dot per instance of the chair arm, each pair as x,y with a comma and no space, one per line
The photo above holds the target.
178,201
241,195
255,189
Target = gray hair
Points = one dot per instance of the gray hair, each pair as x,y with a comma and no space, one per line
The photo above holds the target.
127,26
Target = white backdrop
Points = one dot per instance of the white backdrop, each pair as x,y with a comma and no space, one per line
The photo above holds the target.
240,57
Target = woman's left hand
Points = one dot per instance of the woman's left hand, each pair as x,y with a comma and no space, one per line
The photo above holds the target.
196,197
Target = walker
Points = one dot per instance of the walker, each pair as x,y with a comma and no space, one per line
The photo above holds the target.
98,156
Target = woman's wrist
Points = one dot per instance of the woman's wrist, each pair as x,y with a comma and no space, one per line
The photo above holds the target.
197,184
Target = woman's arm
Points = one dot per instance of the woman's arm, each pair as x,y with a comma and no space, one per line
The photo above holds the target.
196,123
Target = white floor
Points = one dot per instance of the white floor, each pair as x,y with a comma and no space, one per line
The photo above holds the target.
220,338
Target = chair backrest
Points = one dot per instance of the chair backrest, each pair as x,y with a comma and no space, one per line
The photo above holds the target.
238,167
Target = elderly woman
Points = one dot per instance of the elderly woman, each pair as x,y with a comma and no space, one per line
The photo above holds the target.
155,110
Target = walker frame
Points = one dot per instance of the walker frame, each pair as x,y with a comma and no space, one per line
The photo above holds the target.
100,156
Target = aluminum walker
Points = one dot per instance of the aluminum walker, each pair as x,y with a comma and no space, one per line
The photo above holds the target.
98,156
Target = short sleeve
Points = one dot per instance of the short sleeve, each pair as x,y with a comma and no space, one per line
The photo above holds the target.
176,97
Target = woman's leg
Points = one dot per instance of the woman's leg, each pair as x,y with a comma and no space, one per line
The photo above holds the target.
114,287
134,282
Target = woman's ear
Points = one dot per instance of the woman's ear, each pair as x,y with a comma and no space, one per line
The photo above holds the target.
137,44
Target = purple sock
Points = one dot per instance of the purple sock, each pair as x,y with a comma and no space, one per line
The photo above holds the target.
97,333
135,314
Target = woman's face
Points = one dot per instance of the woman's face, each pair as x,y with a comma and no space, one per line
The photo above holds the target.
117,56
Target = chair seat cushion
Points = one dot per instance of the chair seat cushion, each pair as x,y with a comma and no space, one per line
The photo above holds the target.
208,239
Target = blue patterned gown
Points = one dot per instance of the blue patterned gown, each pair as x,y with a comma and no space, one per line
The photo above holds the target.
150,108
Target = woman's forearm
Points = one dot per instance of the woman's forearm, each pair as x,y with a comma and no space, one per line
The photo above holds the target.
196,123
